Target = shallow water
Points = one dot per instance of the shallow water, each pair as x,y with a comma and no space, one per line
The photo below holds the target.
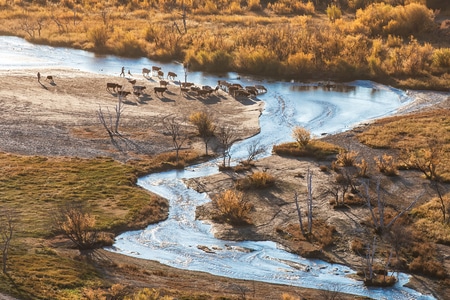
176,242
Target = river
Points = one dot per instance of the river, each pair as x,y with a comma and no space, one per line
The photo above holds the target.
176,241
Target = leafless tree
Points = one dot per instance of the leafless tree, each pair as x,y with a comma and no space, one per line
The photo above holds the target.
72,220
309,201
226,136
254,149
28,27
8,221
40,24
109,123
176,128
378,219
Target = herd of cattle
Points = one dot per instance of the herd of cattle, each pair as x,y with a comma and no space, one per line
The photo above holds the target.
234,89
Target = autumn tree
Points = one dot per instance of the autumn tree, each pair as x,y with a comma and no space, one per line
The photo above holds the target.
203,121
301,135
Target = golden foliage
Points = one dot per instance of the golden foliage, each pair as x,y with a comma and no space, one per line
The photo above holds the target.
301,135
233,206
256,180
346,158
288,45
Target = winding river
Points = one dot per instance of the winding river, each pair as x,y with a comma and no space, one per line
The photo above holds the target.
177,240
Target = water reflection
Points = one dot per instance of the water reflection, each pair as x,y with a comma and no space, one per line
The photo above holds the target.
340,88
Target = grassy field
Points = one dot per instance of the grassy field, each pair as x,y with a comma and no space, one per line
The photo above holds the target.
35,187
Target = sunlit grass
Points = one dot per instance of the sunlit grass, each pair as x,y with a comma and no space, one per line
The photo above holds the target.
412,132
315,148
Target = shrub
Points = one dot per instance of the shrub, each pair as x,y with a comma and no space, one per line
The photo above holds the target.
254,5
98,36
363,167
233,207
317,149
333,13
256,180
386,165
441,58
302,136
346,158
300,64
285,7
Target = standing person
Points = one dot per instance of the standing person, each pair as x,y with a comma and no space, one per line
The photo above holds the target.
39,77
123,72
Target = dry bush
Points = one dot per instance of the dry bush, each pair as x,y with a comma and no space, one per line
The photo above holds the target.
363,168
429,220
98,35
425,261
441,58
254,5
346,158
76,224
387,165
358,246
257,180
315,148
233,207
286,296
286,7
302,136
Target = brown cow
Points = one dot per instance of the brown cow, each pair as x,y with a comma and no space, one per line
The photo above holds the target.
171,75
204,92
145,72
160,74
163,83
160,90
155,69
111,85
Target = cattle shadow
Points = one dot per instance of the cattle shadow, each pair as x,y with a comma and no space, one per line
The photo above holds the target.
43,86
165,99
245,100
129,102
144,99
209,99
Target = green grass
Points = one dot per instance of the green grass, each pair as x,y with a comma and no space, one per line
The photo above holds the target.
34,187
